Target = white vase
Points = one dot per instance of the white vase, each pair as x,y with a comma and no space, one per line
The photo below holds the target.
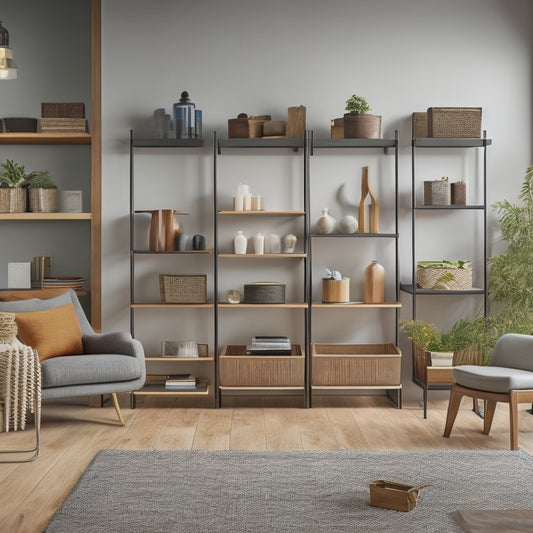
348,224
259,244
289,243
326,223
239,243
275,244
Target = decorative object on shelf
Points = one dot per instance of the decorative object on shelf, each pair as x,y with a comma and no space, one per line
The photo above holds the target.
70,201
165,229
326,223
296,121
264,292
420,125
348,224
162,124
259,244
255,125
238,127
19,274
454,121
372,226
12,193
8,66
240,243
238,199
335,287
393,495
183,288
63,117
41,268
444,275
183,242
374,283
42,191
179,349
262,126
358,124
269,345
274,128
18,124
233,296
256,203
187,118
289,243
437,192
198,242
458,192
274,243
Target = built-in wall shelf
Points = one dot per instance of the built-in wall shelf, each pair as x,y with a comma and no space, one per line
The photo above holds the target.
45,216
45,138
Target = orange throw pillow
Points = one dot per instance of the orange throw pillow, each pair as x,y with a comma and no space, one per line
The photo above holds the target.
53,332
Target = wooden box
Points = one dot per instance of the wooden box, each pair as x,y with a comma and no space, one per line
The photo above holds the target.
238,128
356,364
454,121
336,290
337,128
238,369
392,495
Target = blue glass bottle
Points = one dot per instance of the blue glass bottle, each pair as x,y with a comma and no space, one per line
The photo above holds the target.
184,117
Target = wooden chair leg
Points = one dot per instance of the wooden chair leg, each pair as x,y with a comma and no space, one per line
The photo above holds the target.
490,407
453,408
513,416
117,407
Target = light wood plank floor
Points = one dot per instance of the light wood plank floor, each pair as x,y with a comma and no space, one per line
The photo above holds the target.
72,434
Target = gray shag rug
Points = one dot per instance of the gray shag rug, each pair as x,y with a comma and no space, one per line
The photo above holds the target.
171,491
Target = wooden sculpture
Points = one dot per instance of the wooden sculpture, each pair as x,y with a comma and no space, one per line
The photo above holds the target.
372,226
164,227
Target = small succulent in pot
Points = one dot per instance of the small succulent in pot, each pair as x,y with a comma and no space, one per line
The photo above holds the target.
40,179
42,192
357,105
12,175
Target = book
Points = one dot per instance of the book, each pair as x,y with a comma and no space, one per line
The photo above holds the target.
181,379
270,338
184,386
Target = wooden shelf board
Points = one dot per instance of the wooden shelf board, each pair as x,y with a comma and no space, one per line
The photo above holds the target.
354,387
25,294
263,256
355,305
296,212
159,390
160,305
45,138
45,216
252,388
159,359
293,305
162,252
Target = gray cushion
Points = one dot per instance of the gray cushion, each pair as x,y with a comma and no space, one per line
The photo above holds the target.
89,369
493,378
513,351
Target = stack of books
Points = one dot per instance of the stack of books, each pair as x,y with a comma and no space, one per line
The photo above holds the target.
180,382
269,345
63,117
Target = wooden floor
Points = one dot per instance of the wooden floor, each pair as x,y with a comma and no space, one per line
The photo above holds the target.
71,435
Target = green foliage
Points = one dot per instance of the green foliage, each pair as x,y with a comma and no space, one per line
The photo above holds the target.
357,104
12,175
41,179
511,272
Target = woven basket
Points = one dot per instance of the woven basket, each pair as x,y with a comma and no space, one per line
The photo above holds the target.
43,200
183,288
454,121
420,125
12,200
437,192
432,278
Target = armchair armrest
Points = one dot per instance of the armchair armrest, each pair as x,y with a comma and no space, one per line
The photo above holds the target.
117,342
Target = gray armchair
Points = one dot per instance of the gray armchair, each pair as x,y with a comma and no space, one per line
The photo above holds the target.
111,362
508,378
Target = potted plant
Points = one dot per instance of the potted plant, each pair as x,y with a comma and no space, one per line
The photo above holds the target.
42,192
12,192
510,272
358,123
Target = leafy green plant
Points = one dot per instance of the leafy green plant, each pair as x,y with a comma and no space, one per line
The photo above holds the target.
12,174
41,179
357,105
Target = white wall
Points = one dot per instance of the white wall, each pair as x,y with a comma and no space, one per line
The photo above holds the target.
261,57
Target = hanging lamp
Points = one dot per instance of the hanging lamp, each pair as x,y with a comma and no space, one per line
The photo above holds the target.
8,66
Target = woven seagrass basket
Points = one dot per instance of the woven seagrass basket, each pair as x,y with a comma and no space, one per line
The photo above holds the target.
437,278
183,288
12,200
454,121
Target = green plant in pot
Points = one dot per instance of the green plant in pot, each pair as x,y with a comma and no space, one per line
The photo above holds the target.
42,190
12,191
358,123
511,272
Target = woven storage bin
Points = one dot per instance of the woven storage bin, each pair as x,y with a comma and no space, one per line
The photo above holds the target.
430,277
183,288
454,121
420,125
12,200
264,292
437,192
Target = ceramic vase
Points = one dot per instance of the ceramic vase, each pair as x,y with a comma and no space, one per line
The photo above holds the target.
326,223
239,243
348,224
259,244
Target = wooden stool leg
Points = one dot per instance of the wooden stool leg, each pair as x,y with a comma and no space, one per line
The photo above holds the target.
513,416
117,407
489,415
453,408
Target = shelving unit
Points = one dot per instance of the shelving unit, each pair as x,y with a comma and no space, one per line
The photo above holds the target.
346,368
176,318
92,217
240,373
441,378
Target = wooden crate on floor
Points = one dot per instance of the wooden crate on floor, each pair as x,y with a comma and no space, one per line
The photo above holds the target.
356,364
239,369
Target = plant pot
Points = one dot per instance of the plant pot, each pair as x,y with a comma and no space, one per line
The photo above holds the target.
43,200
362,126
12,200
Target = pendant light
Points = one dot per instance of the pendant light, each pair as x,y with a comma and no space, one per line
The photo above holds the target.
8,66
